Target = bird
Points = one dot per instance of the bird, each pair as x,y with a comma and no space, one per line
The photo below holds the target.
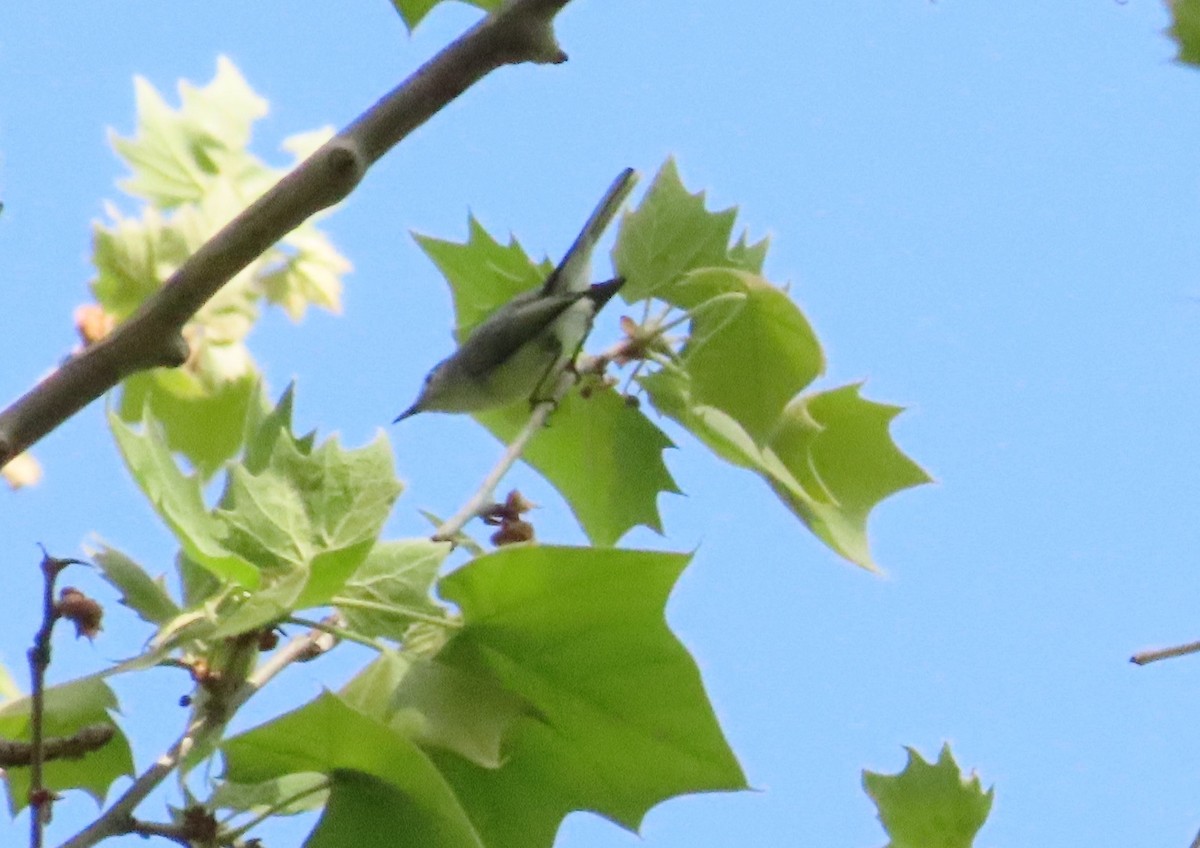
518,350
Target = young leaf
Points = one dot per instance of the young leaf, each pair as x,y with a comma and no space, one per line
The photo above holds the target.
670,234
144,595
438,706
392,582
67,709
283,796
177,154
751,359
927,805
580,634
178,499
384,792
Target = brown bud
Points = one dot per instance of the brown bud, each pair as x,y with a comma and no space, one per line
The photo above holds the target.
513,531
78,608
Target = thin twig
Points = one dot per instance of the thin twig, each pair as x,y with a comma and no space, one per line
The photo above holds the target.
39,660
118,818
484,496
520,31
1145,657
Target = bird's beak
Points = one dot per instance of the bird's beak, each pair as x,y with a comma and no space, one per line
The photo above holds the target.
412,410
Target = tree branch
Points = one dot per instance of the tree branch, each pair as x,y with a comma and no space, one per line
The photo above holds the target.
520,31
118,818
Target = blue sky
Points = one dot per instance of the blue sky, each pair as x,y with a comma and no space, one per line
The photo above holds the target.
987,211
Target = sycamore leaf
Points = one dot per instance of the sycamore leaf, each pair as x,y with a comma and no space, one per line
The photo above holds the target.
438,706
283,796
179,500
307,516
146,596
68,708
391,584
620,446
670,234
176,153
580,634
929,806
1185,29
203,425
483,274
837,447
750,359
413,11
194,169
384,792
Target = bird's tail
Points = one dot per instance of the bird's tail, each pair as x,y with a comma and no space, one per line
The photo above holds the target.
572,273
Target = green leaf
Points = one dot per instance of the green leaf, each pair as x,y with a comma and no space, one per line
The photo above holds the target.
1185,29
413,11
438,706
144,595
670,234
393,582
67,709
327,502
483,274
837,447
179,500
620,448
283,796
176,154
203,425
750,357
830,459
384,791
580,633
929,806
306,270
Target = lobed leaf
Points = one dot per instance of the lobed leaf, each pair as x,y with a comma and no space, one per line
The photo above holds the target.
929,805
146,596
384,791
580,634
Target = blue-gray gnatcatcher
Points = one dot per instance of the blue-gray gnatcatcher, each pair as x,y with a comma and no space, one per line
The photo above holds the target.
516,352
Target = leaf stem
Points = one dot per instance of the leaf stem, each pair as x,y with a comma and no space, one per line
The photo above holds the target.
242,830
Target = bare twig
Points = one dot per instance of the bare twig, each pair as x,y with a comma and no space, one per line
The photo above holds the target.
484,496
205,726
40,799
91,737
1145,657
521,31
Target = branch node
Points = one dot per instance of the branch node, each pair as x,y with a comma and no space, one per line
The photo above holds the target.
174,351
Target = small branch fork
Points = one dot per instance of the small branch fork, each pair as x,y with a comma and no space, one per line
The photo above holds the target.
520,31
41,799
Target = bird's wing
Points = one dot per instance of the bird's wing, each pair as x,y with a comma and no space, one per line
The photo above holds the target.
502,333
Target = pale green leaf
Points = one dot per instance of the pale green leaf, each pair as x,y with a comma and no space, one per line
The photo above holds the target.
179,500
929,806
146,596
391,584
283,796
438,706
